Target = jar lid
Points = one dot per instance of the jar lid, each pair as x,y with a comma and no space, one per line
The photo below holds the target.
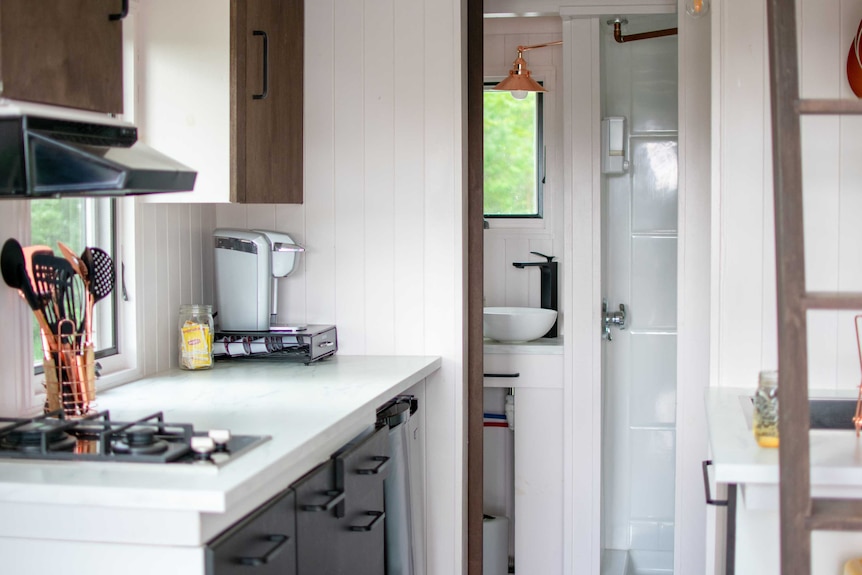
196,308
768,378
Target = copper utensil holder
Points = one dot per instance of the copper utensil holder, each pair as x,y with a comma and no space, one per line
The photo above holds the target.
70,376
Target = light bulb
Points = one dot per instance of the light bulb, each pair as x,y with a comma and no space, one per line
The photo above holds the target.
519,94
696,8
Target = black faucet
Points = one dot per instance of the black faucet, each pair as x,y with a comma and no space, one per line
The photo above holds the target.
548,278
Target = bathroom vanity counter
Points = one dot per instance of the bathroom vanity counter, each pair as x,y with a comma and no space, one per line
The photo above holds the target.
543,346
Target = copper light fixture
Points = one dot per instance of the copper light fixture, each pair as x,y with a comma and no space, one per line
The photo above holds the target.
519,81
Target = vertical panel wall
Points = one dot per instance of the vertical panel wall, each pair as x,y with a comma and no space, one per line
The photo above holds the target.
512,240
744,317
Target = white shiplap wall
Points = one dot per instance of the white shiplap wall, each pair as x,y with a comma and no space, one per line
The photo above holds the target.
382,218
744,316
512,240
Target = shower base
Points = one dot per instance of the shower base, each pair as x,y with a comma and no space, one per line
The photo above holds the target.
636,562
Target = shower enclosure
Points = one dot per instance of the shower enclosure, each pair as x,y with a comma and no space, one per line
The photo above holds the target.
639,270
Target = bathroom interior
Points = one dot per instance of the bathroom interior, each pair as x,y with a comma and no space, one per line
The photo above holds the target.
638,221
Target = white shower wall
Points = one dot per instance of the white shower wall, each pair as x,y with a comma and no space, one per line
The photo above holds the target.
639,81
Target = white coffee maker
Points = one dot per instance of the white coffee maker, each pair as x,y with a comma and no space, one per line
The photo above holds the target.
248,264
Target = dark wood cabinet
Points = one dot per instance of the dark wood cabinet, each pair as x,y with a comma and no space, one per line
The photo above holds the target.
266,103
265,541
63,52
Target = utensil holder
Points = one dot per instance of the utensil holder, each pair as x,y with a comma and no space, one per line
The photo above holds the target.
70,376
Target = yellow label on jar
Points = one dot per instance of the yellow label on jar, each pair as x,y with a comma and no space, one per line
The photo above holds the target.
196,346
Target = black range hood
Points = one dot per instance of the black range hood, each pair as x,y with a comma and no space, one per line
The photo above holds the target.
55,152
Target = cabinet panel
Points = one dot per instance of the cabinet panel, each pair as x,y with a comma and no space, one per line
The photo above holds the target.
63,52
317,526
539,481
269,101
266,540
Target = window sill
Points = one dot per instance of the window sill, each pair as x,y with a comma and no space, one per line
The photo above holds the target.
516,223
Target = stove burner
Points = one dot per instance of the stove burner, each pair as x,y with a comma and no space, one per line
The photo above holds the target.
95,437
140,440
28,438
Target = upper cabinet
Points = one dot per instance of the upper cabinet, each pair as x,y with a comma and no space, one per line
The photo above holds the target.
220,88
63,52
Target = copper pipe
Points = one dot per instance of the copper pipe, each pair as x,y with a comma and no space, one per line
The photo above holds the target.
534,46
618,34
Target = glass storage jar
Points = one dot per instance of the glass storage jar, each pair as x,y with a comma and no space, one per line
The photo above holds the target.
196,336
765,420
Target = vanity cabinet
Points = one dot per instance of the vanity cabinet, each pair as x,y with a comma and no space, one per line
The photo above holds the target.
220,89
537,384
63,52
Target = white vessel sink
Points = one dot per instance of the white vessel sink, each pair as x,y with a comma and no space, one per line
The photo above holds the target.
515,324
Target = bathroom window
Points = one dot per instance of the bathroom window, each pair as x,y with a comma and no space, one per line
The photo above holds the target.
79,222
514,154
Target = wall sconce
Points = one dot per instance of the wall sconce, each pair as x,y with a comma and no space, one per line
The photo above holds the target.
696,8
519,81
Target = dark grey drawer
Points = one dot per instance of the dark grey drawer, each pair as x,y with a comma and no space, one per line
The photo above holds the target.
264,543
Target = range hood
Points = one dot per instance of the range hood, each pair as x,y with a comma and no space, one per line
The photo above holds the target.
48,151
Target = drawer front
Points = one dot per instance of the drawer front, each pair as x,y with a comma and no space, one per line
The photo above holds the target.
318,528
362,468
263,543
502,370
323,344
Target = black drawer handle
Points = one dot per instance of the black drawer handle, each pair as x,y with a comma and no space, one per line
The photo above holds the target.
262,95
377,515
124,11
336,497
380,467
279,540
709,499
501,375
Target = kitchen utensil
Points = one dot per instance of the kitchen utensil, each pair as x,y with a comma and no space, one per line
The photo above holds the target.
73,259
100,279
14,269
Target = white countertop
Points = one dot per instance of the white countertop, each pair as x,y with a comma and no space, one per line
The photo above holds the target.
309,412
836,455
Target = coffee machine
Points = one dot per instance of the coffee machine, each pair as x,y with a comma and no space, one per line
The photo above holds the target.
248,264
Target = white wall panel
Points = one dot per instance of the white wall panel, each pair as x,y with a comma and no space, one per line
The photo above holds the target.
746,329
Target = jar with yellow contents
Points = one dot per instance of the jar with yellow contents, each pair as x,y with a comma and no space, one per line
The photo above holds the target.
196,337
765,420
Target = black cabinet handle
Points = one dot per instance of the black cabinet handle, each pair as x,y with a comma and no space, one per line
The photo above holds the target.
384,463
265,92
501,375
709,499
377,515
336,497
124,11
279,540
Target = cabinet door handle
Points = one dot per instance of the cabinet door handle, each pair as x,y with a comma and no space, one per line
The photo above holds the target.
384,463
377,515
279,540
124,11
709,499
265,92
336,496
501,375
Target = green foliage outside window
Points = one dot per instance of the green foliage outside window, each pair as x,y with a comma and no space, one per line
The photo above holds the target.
511,145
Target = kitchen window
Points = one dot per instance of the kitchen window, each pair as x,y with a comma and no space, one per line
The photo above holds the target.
80,222
514,154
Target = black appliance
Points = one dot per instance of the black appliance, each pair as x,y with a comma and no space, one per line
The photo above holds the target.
47,151
96,437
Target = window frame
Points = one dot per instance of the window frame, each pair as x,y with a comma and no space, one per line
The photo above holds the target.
541,164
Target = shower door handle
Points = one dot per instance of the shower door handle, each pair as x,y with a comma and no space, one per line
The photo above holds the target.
617,318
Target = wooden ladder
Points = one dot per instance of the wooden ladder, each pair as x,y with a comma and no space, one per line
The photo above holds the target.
800,514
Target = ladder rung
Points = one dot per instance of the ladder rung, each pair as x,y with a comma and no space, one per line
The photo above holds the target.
835,515
822,106
833,300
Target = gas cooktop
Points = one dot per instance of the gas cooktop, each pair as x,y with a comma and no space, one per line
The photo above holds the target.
96,437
